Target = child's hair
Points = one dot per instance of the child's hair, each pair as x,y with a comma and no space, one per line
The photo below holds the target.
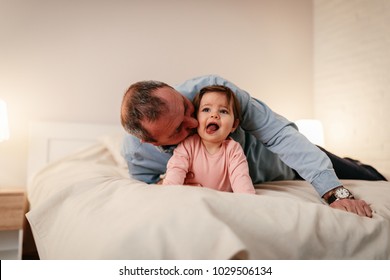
230,96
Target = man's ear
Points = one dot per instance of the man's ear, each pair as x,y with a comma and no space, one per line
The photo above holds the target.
235,125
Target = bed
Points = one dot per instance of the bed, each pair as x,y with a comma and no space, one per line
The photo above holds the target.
84,205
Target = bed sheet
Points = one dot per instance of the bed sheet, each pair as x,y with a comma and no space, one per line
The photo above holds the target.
85,206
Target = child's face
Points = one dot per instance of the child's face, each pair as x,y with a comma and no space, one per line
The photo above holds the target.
215,117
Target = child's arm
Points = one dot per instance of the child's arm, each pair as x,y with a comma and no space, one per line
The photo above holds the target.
177,167
240,180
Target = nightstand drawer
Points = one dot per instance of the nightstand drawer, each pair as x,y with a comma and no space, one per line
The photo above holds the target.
12,209
13,204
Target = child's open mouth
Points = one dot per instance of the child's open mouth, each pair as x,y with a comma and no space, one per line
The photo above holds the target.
211,128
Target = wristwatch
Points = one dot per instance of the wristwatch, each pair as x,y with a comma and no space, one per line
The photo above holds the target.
339,193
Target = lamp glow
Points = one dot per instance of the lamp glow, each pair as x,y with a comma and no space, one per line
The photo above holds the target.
312,130
4,128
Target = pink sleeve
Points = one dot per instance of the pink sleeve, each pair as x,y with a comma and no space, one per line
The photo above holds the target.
240,180
177,166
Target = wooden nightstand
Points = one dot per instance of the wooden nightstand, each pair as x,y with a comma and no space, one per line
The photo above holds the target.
13,205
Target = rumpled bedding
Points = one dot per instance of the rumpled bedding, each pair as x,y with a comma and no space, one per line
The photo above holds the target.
85,206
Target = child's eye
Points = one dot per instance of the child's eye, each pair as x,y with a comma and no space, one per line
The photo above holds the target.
223,111
206,110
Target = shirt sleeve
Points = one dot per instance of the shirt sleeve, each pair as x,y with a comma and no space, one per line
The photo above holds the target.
240,179
145,162
277,133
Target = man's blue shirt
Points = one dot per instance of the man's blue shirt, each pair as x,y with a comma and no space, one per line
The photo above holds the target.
272,144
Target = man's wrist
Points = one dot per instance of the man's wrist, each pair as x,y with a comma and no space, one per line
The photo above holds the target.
329,193
337,193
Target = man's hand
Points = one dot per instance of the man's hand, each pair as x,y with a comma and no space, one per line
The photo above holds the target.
356,206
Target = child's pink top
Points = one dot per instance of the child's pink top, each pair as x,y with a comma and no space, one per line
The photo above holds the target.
226,170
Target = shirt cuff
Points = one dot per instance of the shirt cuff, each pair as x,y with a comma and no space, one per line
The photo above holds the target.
326,181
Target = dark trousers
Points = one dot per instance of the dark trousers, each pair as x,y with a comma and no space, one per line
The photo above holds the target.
347,168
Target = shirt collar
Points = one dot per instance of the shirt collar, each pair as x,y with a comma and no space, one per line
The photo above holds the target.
167,148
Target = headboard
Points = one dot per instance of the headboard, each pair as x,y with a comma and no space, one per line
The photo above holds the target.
49,141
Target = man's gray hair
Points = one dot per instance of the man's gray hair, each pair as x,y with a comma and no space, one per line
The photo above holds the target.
139,104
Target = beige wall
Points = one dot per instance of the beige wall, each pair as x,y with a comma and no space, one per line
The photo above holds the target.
352,85
72,60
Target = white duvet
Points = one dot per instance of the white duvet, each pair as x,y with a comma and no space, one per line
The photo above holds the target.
86,207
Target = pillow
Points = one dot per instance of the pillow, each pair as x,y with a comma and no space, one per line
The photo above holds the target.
113,143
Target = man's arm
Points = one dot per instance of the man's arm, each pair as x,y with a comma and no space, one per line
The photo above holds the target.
356,206
145,161
277,133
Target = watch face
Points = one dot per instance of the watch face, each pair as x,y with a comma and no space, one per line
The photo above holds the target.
342,193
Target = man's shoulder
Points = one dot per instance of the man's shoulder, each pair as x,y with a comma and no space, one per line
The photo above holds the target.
203,78
131,143
133,146
191,86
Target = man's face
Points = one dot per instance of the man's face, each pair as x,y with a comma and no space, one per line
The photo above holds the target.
175,125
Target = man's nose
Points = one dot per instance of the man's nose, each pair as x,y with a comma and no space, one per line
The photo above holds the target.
191,122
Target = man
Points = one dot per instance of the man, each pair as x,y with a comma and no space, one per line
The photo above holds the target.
158,117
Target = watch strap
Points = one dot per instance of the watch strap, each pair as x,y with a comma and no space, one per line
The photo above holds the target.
332,198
